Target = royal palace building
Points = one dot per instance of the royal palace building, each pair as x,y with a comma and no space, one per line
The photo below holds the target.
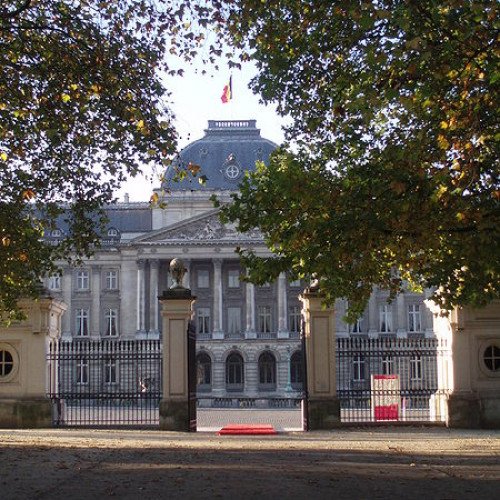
248,337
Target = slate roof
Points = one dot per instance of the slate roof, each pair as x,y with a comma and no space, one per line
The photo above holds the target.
124,217
228,148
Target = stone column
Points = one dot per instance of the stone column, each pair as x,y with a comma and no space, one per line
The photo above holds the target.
373,315
141,297
250,332
187,277
283,332
426,315
217,292
176,311
154,266
95,310
401,317
67,286
322,404
23,390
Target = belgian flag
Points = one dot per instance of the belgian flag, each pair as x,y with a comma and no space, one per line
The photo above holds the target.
227,93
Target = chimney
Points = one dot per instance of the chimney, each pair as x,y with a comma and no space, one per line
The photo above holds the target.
126,198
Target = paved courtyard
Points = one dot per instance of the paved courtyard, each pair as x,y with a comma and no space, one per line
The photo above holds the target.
410,463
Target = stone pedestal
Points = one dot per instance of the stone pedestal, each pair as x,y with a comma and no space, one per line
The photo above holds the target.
24,375
323,406
176,312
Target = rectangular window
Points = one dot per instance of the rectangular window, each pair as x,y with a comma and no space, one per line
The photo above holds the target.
82,371
414,318
416,368
111,323
385,318
82,279
387,365
264,319
294,319
110,372
233,320
358,365
82,322
55,282
111,280
203,320
203,276
233,278
357,326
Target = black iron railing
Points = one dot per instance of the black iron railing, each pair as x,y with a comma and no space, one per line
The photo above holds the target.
105,382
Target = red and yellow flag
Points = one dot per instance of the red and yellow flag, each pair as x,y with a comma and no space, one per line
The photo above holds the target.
227,93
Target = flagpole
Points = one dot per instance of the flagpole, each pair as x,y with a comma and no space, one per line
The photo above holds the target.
231,103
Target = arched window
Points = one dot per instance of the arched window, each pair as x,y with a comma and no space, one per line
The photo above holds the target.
267,371
203,372
297,370
235,376
112,232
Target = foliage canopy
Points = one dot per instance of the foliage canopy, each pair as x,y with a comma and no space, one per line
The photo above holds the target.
82,105
394,173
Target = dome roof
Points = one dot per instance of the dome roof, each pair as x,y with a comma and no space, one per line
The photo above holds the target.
228,149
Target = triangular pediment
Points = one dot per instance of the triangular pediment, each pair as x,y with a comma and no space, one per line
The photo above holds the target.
199,229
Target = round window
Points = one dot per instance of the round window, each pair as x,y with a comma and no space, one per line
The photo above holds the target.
491,358
6,363
232,171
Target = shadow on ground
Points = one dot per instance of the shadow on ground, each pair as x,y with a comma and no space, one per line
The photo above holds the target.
83,471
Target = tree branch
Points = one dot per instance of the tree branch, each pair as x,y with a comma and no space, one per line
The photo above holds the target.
5,14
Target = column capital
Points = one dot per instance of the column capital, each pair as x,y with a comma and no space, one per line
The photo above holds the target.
154,263
141,263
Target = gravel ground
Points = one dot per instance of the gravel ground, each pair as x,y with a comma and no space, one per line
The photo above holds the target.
408,463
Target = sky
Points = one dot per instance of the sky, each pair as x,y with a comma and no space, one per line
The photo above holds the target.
196,99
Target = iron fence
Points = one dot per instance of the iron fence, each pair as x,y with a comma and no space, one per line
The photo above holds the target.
105,382
391,379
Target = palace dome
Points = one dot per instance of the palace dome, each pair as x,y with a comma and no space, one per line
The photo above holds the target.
224,153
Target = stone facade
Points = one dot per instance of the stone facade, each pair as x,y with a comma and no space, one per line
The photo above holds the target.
248,336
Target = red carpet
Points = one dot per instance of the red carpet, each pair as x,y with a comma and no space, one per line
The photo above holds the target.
247,430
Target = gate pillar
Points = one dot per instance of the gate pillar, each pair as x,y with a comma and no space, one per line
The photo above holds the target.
323,407
473,374
24,373
176,312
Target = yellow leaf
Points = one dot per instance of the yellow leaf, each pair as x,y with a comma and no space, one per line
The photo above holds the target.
65,97
444,125
3,156
140,124
443,142
154,198
460,216
193,168
441,190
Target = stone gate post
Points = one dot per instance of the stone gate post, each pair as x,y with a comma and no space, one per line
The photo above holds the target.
25,373
473,375
176,311
319,332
